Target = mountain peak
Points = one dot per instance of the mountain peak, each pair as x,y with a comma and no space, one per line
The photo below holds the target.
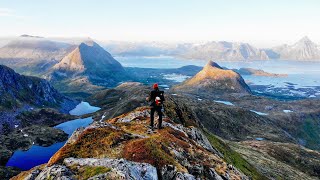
212,64
88,58
214,79
89,42
305,40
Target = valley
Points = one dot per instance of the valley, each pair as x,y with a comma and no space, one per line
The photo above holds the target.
87,108
160,90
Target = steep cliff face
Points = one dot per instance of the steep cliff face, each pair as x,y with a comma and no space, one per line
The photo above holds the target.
17,90
214,79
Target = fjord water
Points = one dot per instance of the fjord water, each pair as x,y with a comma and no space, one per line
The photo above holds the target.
37,155
301,74
273,66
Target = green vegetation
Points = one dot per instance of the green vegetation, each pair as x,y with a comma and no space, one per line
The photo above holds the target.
92,143
92,171
234,158
311,133
86,172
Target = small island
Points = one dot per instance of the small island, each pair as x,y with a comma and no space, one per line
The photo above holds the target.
257,72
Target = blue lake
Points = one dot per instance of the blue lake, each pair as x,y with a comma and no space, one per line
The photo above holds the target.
37,155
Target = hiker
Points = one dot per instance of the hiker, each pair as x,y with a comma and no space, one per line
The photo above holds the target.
156,98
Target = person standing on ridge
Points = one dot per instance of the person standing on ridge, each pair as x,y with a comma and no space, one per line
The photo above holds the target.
156,98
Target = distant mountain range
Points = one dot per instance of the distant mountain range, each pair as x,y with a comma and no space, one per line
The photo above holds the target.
223,51
302,50
68,66
88,66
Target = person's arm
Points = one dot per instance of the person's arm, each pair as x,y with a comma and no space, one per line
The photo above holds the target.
149,97
162,94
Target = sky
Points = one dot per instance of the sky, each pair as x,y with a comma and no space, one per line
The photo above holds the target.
263,23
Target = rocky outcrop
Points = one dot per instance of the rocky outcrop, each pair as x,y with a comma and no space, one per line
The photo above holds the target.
123,147
120,167
216,80
91,168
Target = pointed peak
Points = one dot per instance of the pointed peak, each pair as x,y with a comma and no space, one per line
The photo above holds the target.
89,42
211,64
305,39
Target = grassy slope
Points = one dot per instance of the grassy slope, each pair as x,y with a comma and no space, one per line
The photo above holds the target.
234,158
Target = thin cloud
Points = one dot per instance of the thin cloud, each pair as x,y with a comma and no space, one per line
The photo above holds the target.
6,12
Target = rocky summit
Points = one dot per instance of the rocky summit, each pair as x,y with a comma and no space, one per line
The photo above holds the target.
214,79
97,152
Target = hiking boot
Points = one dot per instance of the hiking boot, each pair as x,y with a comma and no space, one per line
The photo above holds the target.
151,131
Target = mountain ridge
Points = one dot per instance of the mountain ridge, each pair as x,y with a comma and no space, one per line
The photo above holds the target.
304,49
216,50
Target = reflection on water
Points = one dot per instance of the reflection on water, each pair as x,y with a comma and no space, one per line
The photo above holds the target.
83,108
37,155
71,126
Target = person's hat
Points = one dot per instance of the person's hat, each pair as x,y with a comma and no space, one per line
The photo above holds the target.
155,86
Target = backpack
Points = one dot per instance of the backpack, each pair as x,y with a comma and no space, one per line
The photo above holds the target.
159,98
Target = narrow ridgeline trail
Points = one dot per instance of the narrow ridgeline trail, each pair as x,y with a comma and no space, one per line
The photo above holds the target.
123,148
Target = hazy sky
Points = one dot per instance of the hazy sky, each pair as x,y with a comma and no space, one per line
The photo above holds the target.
260,22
